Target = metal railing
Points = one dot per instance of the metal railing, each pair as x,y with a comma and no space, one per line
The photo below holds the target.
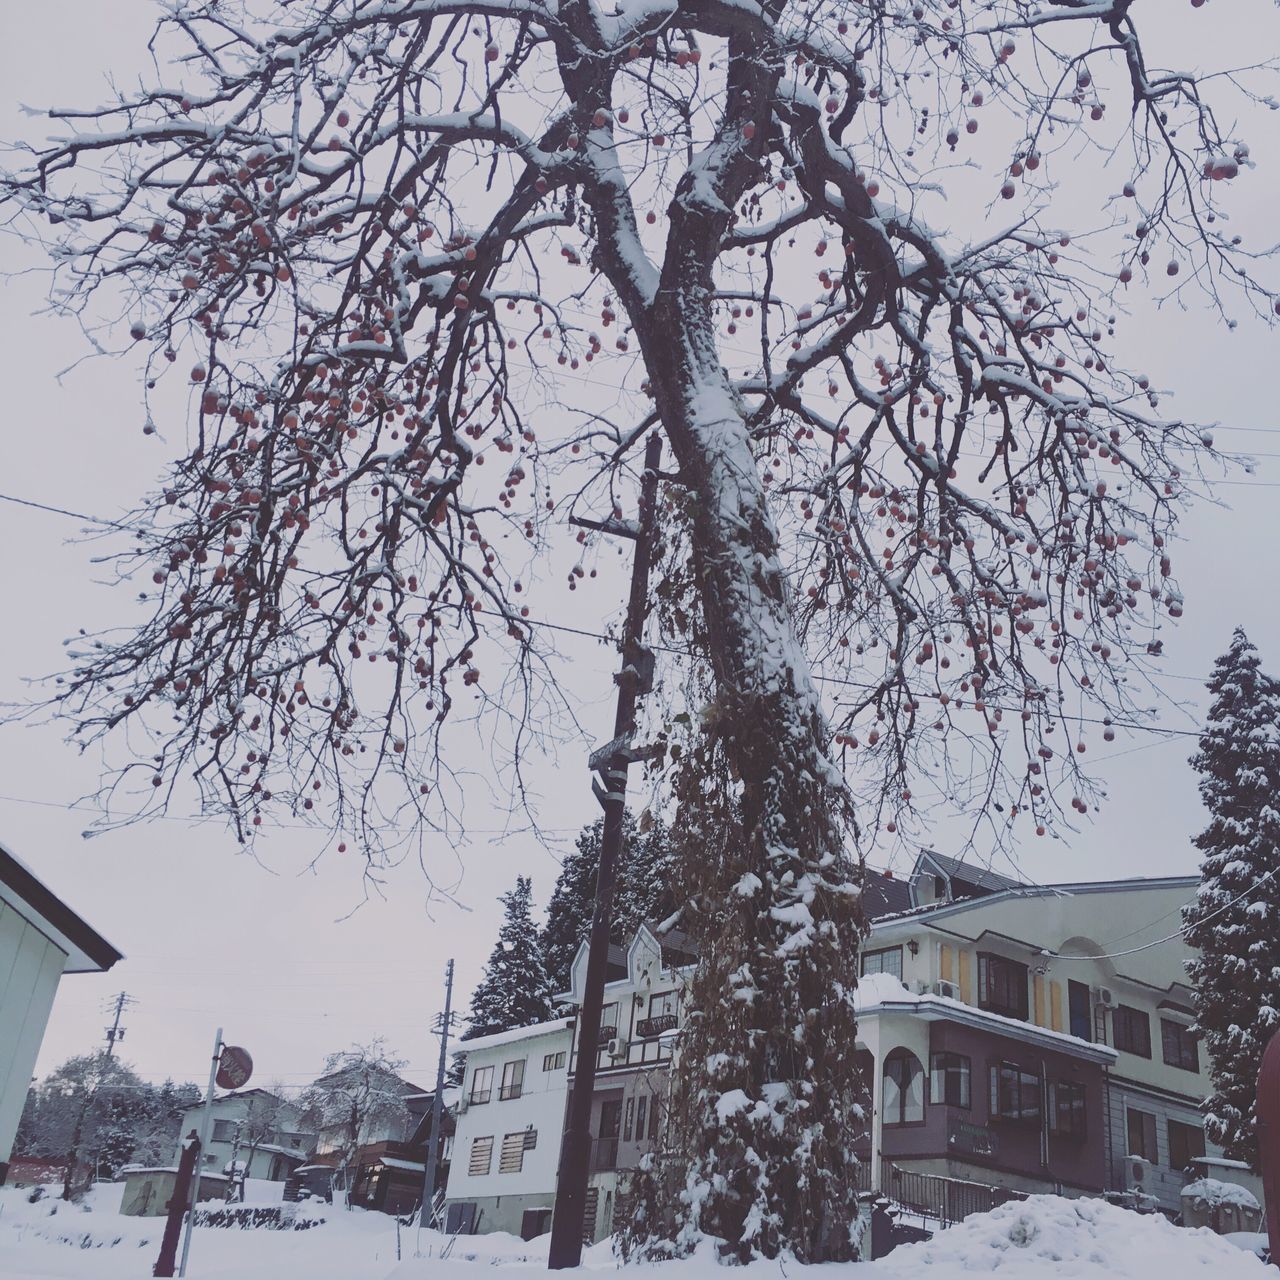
950,1200
655,1026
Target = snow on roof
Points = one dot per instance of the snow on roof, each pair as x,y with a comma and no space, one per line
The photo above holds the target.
515,1035
391,1162
883,992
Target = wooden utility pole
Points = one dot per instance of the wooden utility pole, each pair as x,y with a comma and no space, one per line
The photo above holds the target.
437,1106
611,761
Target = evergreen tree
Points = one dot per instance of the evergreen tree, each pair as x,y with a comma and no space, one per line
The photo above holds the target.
514,991
1232,922
643,892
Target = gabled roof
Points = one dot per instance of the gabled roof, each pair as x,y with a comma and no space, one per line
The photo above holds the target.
884,894
87,950
982,879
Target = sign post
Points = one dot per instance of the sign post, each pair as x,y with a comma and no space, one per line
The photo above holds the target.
1269,1139
230,1068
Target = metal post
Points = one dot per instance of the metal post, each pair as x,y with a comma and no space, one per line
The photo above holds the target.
437,1106
205,1121
611,761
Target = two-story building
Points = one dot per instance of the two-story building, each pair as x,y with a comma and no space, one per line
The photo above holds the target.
645,1000
253,1133
1032,1036
509,1124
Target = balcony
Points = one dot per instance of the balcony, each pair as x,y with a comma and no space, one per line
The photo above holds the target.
607,1034
648,1027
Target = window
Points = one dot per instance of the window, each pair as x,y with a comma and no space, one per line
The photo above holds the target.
511,1158
949,1080
608,1022
642,1105
663,1003
887,961
553,1061
654,1116
1002,986
1131,1030
1080,1008
481,1156
1141,1127
1015,1094
531,1139
1186,1143
481,1086
1066,1108
224,1130
628,1119
903,1088
1180,1049
512,1080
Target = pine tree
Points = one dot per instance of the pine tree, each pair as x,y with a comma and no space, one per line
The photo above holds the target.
1232,922
514,991
644,892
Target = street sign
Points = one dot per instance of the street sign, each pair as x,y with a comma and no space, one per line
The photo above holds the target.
234,1067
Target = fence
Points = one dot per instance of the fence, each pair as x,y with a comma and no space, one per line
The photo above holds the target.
950,1200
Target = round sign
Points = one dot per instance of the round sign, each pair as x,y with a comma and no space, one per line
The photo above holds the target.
234,1067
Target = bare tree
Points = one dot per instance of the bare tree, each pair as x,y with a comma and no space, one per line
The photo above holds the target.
358,1096
384,239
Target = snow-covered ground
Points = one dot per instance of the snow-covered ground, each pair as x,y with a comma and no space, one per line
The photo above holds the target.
1044,1238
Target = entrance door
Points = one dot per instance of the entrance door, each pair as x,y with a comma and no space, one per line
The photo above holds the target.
610,1127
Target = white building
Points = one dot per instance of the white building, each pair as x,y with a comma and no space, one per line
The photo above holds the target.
510,1119
41,938
255,1128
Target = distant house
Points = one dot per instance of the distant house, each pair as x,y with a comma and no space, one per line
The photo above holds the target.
389,1176
41,938
262,1133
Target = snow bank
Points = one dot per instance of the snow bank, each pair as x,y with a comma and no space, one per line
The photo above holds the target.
1044,1238
1050,1236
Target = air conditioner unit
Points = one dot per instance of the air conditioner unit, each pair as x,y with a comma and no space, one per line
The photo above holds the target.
947,990
1105,997
617,1047
1137,1174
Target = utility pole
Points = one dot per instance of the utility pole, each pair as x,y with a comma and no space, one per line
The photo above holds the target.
203,1144
437,1105
611,761
115,1032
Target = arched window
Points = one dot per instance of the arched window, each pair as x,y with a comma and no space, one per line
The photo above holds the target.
903,1092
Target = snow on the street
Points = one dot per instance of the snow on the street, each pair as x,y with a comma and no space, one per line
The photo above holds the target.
1044,1238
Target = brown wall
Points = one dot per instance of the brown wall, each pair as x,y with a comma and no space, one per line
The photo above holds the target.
1073,1162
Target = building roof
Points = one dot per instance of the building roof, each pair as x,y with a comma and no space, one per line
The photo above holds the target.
514,1035
87,950
981,878
883,894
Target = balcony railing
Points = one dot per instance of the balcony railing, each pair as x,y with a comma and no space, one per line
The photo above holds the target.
647,1027
608,1033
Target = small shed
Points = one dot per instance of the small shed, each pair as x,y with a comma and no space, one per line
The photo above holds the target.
147,1192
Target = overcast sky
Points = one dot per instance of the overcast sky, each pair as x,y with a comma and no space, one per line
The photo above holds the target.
295,960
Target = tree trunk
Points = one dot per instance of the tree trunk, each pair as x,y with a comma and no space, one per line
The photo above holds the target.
769,1104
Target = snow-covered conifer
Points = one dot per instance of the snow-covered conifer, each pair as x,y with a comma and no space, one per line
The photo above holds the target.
514,991
1233,921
